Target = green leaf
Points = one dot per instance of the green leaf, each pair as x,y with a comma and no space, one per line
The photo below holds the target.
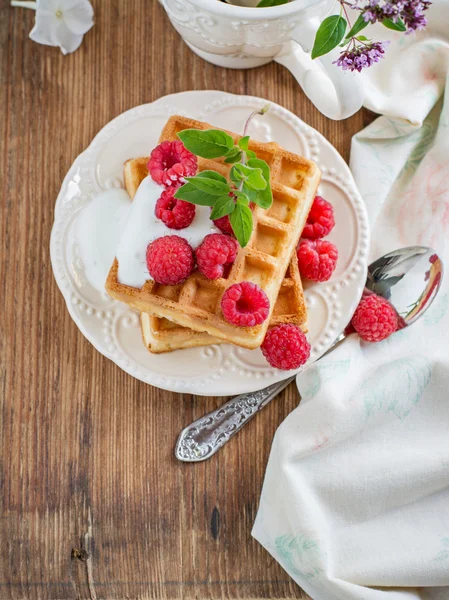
233,158
358,26
362,38
210,185
242,197
211,143
190,193
232,150
253,195
242,223
256,180
329,35
251,154
264,198
253,176
243,142
222,207
212,175
398,26
267,3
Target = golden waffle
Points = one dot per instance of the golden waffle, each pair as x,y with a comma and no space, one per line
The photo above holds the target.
161,335
196,302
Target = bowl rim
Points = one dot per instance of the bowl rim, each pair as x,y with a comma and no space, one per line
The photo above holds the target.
250,13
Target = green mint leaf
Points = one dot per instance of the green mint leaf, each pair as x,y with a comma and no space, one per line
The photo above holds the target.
240,172
211,143
256,180
251,154
241,220
242,198
236,173
222,207
253,195
358,26
329,35
267,3
212,175
398,26
190,193
210,185
232,151
264,198
233,158
243,142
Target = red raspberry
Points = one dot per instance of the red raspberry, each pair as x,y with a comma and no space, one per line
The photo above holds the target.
317,259
245,304
224,225
320,221
286,347
215,251
375,319
170,163
170,259
176,214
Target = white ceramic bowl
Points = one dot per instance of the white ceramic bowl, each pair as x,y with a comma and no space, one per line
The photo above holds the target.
243,37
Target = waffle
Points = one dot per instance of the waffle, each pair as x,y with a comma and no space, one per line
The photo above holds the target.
161,335
196,302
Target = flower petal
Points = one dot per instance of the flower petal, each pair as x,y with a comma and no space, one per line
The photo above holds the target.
44,28
50,5
79,18
66,40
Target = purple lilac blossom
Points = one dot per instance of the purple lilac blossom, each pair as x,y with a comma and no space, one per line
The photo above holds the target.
361,56
410,11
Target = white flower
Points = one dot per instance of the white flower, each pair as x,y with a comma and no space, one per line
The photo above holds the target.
60,22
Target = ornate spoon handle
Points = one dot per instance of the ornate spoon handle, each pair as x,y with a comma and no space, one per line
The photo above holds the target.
202,438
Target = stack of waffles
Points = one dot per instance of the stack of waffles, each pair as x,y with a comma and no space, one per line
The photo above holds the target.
189,314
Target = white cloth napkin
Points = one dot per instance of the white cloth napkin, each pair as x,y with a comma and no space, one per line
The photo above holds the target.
355,503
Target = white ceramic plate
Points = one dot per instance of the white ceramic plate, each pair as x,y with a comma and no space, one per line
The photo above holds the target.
113,328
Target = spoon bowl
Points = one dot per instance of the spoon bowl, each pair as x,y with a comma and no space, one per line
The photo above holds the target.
409,278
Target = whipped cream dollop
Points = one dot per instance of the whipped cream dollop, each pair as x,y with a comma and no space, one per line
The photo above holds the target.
143,227
98,229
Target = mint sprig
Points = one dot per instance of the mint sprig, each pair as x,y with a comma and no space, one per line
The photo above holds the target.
249,178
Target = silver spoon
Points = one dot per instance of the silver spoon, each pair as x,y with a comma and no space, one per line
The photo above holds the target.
408,278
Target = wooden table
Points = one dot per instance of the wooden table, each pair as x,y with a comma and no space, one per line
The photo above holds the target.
93,502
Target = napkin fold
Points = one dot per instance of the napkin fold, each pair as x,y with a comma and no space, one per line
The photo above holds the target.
355,503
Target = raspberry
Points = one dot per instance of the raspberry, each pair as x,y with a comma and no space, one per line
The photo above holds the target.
245,304
286,347
375,319
317,259
215,251
170,260
170,162
224,225
176,214
320,221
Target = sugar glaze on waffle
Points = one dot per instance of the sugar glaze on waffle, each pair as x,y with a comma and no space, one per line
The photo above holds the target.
196,302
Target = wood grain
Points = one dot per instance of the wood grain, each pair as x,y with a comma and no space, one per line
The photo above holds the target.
88,479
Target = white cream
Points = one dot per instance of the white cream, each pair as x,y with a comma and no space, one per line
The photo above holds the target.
142,227
98,230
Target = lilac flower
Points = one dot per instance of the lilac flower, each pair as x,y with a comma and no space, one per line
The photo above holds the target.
361,56
413,14
410,11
